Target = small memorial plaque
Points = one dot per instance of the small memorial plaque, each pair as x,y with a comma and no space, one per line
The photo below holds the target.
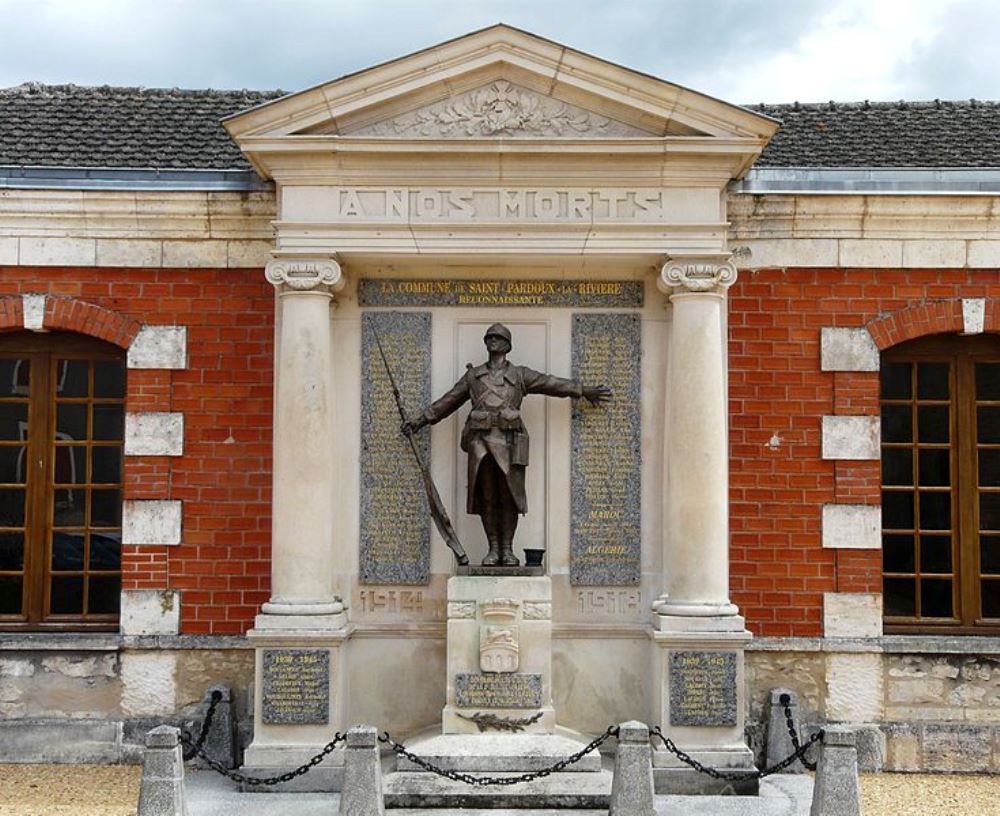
296,686
498,690
703,688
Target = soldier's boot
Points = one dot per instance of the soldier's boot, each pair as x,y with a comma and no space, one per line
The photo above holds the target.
493,556
507,557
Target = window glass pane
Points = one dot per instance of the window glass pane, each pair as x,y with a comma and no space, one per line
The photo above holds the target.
105,551
896,381
68,508
13,420
71,422
106,508
987,423
71,465
106,465
989,468
14,377
897,466
935,511
989,555
935,467
12,551
988,381
935,554
108,422
11,588
103,594
11,507
109,379
932,381
67,551
897,510
13,460
900,597
897,423
990,596
989,511
897,553
71,378
933,423
67,595
935,598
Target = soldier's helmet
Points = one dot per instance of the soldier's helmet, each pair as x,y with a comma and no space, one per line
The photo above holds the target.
498,330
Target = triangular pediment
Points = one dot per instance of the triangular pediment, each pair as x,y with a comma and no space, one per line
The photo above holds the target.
498,83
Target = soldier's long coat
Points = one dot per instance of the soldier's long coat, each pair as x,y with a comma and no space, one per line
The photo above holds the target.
501,432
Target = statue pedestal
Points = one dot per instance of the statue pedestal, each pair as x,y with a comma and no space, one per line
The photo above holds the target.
499,655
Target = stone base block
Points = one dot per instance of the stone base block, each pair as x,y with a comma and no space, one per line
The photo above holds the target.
576,791
455,720
60,741
499,753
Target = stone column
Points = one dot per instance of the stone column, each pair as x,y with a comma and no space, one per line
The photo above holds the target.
303,477
696,543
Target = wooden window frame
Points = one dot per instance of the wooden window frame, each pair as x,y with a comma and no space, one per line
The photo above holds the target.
44,349
963,352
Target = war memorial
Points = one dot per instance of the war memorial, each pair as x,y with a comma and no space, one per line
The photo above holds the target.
496,396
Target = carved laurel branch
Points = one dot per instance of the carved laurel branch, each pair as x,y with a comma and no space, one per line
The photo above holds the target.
486,722
697,276
302,275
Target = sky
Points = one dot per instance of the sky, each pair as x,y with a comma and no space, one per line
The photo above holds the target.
743,51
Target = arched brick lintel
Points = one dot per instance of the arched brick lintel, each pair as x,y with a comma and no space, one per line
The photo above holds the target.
70,314
932,317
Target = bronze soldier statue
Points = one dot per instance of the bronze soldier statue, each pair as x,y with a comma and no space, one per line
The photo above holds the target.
495,437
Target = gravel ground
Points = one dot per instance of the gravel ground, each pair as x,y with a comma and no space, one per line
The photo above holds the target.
113,790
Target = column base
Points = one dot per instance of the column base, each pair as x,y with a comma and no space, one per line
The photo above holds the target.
664,606
334,607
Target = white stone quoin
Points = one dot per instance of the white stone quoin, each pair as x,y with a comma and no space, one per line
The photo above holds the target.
33,309
152,522
154,433
851,437
852,614
150,612
159,347
852,526
847,350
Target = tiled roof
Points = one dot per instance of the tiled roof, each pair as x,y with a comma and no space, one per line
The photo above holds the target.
884,134
73,126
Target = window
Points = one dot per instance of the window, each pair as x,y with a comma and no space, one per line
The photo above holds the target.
940,401
61,431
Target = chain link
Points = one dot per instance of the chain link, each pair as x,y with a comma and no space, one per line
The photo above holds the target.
485,781
786,703
195,747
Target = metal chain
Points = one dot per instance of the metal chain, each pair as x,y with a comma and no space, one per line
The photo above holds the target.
485,781
191,752
270,780
786,703
728,776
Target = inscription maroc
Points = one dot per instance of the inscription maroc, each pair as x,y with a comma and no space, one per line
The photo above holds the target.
395,523
496,292
296,686
703,688
498,690
606,460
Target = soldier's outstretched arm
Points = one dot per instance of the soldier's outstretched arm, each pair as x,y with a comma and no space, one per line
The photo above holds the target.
441,408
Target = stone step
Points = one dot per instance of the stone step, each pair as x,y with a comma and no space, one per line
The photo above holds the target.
499,753
579,791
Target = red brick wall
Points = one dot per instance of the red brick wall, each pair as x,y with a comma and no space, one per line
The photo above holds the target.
778,393
224,476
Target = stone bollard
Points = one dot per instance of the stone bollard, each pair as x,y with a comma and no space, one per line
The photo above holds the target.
220,743
779,741
361,794
161,792
835,792
632,787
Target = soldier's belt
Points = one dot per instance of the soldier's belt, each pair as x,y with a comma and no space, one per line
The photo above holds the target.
506,419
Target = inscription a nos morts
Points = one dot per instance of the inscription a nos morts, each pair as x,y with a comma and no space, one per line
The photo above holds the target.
498,690
395,522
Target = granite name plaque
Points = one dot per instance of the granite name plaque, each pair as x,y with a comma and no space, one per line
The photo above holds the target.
606,459
498,690
703,688
296,686
395,522
500,292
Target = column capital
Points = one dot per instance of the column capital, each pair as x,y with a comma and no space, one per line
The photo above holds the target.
322,275
697,273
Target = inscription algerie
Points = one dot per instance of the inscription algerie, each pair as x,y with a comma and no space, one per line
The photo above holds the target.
703,688
296,686
575,293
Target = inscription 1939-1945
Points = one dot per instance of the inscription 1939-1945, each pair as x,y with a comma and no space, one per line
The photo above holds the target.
498,690
296,686
702,688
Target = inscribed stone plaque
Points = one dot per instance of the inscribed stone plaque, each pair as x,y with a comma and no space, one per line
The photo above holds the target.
296,686
498,690
395,521
500,292
703,688
606,461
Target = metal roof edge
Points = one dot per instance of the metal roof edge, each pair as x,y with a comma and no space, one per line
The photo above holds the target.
113,178
870,180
